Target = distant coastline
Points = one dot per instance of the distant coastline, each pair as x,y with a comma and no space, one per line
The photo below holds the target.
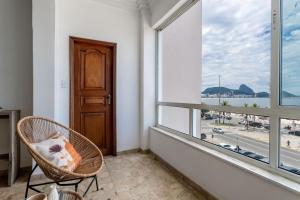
243,91
260,102
238,97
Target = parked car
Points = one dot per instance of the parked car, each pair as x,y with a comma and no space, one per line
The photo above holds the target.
256,156
218,130
253,155
266,160
215,116
228,146
228,117
208,117
290,169
255,124
297,133
242,122
266,126
245,153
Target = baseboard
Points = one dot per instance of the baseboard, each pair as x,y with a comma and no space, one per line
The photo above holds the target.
145,151
128,151
180,175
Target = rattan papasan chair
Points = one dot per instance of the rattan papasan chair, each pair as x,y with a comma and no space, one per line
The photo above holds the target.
36,129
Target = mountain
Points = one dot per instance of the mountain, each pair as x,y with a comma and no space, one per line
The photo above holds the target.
243,90
287,94
216,90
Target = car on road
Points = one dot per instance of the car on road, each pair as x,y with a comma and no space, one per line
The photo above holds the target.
228,146
215,116
253,155
296,133
208,117
290,169
228,117
218,130
266,126
245,153
256,156
255,124
242,122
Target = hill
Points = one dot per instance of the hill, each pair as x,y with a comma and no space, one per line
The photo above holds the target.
243,90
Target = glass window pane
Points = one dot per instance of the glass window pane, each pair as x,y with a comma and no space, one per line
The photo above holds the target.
174,118
236,52
290,145
245,134
180,59
290,55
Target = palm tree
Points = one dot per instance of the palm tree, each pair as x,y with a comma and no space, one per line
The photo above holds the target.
246,117
224,103
254,106
203,111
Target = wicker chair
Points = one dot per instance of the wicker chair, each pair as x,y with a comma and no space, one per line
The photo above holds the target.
36,129
38,197
63,195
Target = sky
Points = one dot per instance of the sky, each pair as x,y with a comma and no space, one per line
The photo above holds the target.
237,44
291,46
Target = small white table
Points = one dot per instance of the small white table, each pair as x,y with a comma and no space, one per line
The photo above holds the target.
14,144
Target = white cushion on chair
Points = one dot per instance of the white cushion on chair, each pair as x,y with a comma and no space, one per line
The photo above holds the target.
58,151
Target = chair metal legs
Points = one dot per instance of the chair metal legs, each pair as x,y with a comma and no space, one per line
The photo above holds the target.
61,183
94,179
28,181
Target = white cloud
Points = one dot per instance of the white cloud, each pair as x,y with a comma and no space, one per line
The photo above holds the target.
291,46
237,43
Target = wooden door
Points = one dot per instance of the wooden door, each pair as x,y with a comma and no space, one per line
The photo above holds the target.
92,96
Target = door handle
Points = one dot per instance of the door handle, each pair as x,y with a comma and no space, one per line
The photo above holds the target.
108,98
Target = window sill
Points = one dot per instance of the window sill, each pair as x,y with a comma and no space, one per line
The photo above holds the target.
267,175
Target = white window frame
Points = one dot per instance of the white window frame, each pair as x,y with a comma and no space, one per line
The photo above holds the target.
275,112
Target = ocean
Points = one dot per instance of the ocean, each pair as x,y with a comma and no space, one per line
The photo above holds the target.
261,102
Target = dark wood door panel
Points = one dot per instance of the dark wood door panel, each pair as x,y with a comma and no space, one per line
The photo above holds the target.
92,98
93,126
93,69
92,101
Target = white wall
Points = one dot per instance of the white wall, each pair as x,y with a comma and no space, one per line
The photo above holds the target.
94,20
147,74
219,178
15,66
43,19
180,67
180,59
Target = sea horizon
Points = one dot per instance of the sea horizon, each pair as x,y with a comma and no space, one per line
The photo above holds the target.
262,102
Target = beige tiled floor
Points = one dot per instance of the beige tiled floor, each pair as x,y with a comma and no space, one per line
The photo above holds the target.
132,176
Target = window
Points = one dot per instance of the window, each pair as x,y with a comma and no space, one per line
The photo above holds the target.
290,145
236,52
179,120
244,134
290,40
238,91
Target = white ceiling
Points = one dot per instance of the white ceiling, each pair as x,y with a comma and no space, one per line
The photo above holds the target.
123,4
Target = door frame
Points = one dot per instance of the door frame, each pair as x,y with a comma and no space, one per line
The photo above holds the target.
72,41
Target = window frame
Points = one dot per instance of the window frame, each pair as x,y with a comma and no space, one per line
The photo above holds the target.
276,111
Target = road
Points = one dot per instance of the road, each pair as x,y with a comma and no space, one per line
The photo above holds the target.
288,157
